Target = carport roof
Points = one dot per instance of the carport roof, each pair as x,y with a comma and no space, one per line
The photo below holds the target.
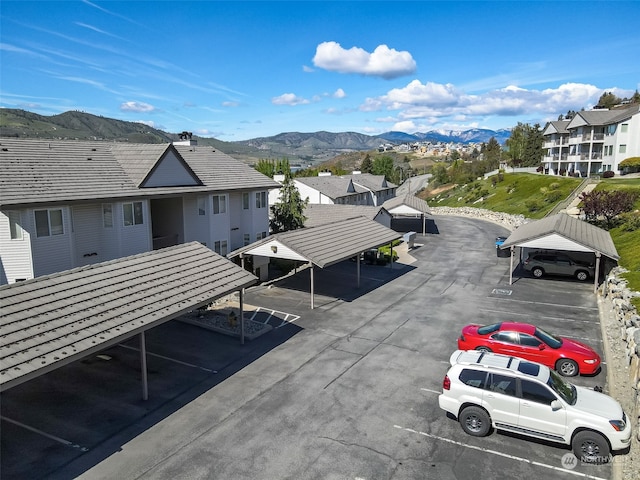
323,245
407,204
50,321
563,232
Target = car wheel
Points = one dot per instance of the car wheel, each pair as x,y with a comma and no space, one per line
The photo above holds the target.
483,349
537,272
475,421
582,275
567,368
591,447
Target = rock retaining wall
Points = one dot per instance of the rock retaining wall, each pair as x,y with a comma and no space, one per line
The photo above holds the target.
507,220
627,320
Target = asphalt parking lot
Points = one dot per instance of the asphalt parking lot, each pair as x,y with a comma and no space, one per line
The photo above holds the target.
346,391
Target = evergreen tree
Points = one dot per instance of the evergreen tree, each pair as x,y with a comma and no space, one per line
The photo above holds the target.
288,213
366,166
492,152
608,100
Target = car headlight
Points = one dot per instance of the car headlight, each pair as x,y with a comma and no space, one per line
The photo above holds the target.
590,361
618,425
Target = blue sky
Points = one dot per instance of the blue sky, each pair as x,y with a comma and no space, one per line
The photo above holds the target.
240,70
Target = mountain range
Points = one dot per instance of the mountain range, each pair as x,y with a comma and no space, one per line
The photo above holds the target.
309,148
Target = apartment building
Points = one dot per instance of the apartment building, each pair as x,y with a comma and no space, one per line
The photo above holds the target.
66,204
592,142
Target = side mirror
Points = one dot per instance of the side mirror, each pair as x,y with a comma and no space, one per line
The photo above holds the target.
541,346
556,405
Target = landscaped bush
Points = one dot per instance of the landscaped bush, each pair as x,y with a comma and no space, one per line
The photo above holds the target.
630,221
533,205
609,174
552,196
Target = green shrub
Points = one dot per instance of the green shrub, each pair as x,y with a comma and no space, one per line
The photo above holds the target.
533,205
552,196
630,221
554,186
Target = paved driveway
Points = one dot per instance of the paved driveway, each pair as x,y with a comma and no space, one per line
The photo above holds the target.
348,391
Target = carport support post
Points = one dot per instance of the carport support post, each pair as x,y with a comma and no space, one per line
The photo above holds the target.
424,222
312,283
242,316
597,275
511,267
143,367
358,270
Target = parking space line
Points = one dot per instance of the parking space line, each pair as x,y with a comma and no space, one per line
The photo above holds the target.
437,392
510,313
186,364
505,455
544,303
45,434
272,313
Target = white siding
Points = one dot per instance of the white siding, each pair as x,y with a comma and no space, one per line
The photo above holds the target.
88,235
554,242
134,238
170,172
53,253
15,255
196,227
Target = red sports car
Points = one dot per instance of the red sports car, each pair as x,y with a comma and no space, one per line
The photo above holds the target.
568,357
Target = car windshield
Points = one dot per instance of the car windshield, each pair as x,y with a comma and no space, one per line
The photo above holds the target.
489,328
551,340
563,388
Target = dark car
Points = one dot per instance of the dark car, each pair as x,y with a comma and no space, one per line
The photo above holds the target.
541,264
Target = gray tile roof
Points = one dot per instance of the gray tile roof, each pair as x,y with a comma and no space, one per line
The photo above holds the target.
332,186
608,117
318,214
326,244
43,171
339,186
409,200
559,126
571,228
53,320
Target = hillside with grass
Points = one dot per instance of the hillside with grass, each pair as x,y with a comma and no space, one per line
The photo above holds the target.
531,195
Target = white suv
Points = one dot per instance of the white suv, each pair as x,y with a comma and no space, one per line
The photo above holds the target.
483,389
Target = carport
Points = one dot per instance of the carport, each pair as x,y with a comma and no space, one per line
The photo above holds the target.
323,245
51,321
408,206
563,232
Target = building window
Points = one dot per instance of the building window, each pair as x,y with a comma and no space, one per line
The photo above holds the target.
623,149
14,225
624,128
48,222
220,247
261,235
611,129
245,201
219,204
202,205
132,214
247,239
107,215
261,199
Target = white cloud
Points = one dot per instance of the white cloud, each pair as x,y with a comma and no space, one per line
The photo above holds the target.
384,62
230,104
339,93
307,69
418,104
148,123
136,107
289,99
